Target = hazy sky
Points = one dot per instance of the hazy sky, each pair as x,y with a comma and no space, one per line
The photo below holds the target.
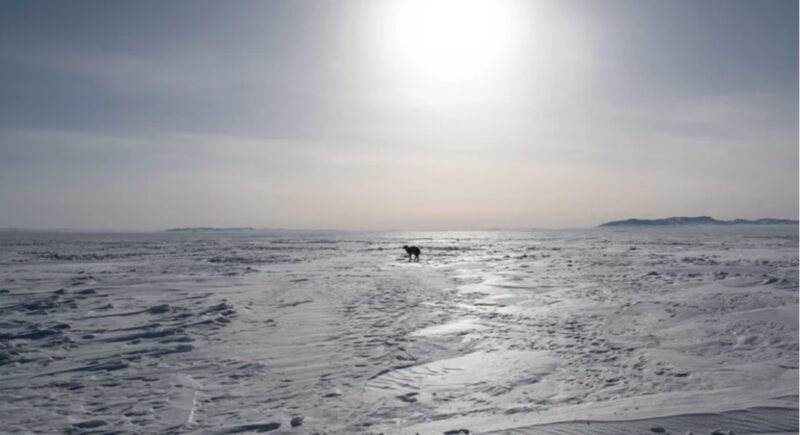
371,114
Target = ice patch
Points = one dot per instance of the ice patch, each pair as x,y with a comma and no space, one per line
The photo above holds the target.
457,327
463,377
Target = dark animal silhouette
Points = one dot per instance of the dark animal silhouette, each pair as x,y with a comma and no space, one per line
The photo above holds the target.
412,251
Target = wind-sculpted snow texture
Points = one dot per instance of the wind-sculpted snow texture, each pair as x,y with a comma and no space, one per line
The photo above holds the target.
570,332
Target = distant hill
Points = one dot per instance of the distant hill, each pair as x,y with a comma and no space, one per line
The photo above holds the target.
699,220
208,229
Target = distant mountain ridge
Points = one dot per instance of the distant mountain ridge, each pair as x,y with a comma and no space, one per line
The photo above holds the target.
698,220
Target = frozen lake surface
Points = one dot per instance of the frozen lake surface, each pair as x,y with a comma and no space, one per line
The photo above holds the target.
594,331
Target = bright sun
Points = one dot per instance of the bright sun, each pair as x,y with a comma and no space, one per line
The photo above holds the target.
450,40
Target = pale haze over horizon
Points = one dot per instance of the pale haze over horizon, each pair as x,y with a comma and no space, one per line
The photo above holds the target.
378,114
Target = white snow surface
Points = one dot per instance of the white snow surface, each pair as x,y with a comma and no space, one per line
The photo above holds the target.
602,331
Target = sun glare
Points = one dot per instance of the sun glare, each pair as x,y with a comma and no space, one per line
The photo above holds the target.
450,40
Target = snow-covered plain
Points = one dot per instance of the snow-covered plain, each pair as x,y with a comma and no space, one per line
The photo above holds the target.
602,331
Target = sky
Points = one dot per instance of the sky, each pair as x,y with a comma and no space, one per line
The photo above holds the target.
391,114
